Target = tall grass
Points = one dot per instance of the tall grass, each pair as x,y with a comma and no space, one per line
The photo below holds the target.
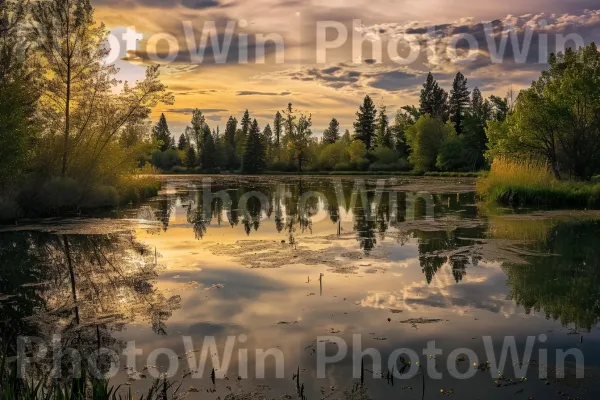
531,184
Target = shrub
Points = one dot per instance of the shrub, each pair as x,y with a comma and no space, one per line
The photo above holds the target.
178,169
101,196
9,210
59,193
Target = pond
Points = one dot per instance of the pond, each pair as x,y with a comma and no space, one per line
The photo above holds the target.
337,288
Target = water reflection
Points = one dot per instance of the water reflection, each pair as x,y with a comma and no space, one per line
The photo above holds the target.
288,260
83,287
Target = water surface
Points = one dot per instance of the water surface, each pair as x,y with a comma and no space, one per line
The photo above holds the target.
283,261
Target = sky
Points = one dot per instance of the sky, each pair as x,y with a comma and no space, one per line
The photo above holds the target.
322,74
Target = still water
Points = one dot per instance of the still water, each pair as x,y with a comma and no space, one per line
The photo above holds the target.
310,268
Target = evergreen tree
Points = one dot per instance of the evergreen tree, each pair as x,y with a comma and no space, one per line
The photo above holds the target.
208,158
230,147
230,129
162,134
364,127
277,131
246,123
190,157
459,101
182,144
332,133
267,138
198,122
434,99
254,160
384,134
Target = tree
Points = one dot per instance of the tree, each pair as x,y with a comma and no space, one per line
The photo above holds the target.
277,131
254,160
434,100
230,130
384,134
198,124
364,127
557,120
267,138
208,156
190,157
18,96
182,144
161,133
402,123
83,113
297,135
71,46
332,133
425,138
459,101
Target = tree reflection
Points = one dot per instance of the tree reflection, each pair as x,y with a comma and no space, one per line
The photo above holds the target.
565,286
83,287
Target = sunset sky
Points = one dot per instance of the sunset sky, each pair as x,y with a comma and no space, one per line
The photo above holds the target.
335,88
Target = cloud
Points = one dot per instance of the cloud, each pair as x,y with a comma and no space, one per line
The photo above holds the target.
256,93
191,4
186,111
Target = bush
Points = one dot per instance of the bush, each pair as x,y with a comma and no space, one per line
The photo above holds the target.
453,155
135,189
178,169
101,196
9,210
58,193
400,165
282,166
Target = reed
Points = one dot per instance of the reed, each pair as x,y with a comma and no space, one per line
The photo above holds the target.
531,184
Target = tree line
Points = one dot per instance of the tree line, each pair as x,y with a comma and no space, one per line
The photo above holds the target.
446,132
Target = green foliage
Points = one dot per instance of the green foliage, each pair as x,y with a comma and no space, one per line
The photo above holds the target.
190,157
453,155
434,100
165,160
18,95
254,160
182,144
298,134
364,127
425,138
332,133
384,133
558,119
459,101
162,134
208,157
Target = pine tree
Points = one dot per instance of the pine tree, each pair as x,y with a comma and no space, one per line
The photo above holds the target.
198,122
246,123
208,160
230,130
162,134
190,157
459,101
254,160
364,127
267,137
182,144
277,131
332,133
384,134
434,99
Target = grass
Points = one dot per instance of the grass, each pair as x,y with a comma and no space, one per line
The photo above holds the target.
531,184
